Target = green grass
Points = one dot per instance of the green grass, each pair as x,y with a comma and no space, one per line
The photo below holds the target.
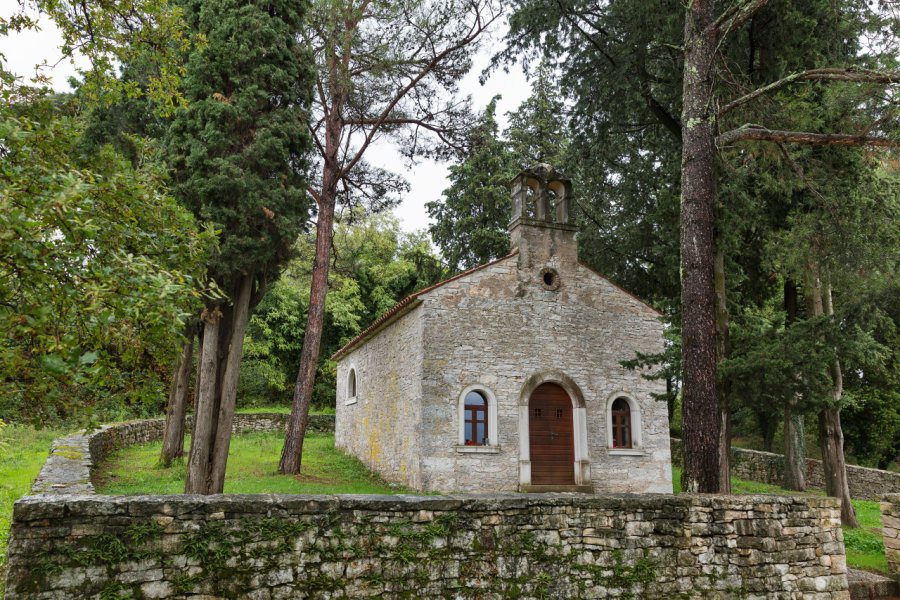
864,546
23,451
284,410
252,469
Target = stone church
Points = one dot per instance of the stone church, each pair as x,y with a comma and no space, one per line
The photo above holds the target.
507,377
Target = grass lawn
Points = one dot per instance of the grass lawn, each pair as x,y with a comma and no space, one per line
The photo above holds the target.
23,451
865,546
284,410
252,469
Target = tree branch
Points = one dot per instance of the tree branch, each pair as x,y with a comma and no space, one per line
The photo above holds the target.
665,118
757,133
736,15
823,74
477,28
315,194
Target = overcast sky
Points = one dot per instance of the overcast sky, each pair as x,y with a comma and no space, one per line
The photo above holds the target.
427,179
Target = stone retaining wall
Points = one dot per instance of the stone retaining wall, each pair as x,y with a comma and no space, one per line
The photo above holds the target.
890,530
767,467
67,542
510,546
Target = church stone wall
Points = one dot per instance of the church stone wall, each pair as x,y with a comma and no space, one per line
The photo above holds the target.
381,427
500,325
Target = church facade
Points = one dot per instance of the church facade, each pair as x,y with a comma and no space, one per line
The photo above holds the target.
507,377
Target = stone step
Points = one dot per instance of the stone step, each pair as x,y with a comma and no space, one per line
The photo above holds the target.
870,586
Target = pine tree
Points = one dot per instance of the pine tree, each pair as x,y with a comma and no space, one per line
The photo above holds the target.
384,70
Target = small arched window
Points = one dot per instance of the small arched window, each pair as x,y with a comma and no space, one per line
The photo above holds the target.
475,420
351,385
621,423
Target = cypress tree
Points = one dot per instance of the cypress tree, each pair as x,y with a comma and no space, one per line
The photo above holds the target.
238,155
470,222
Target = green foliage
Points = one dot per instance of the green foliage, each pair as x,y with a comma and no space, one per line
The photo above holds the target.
99,269
470,222
871,421
375,266
619,72
108,34
536,131
238,151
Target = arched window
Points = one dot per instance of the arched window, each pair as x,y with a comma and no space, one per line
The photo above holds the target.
621,423
475,419
351,386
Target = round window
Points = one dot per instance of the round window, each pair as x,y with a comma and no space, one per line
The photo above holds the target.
550,279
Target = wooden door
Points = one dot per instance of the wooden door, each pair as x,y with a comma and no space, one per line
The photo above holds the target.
551,441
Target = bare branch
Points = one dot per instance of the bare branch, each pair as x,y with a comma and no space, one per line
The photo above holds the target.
474,32
761,134
823,74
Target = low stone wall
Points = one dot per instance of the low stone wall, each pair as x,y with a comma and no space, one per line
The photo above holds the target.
890,531
67,542
767,467
72,459
510,546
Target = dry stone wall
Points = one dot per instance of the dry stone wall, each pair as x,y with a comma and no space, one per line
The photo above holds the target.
508,546
766,467
890,521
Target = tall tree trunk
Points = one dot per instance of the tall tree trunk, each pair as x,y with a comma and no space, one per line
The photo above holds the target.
794,450
173,436
722,388
794,435
204,412
228,393
702,421
831,436
292,453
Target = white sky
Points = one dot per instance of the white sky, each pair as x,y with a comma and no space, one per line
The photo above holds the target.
22,51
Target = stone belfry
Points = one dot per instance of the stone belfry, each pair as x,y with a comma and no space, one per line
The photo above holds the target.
542,228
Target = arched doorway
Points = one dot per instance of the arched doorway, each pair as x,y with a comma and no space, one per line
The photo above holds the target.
550,435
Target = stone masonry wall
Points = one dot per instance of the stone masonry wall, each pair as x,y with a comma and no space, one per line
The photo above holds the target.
72,459
890,530
380,426
498,327
68,543
766,467
514,546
